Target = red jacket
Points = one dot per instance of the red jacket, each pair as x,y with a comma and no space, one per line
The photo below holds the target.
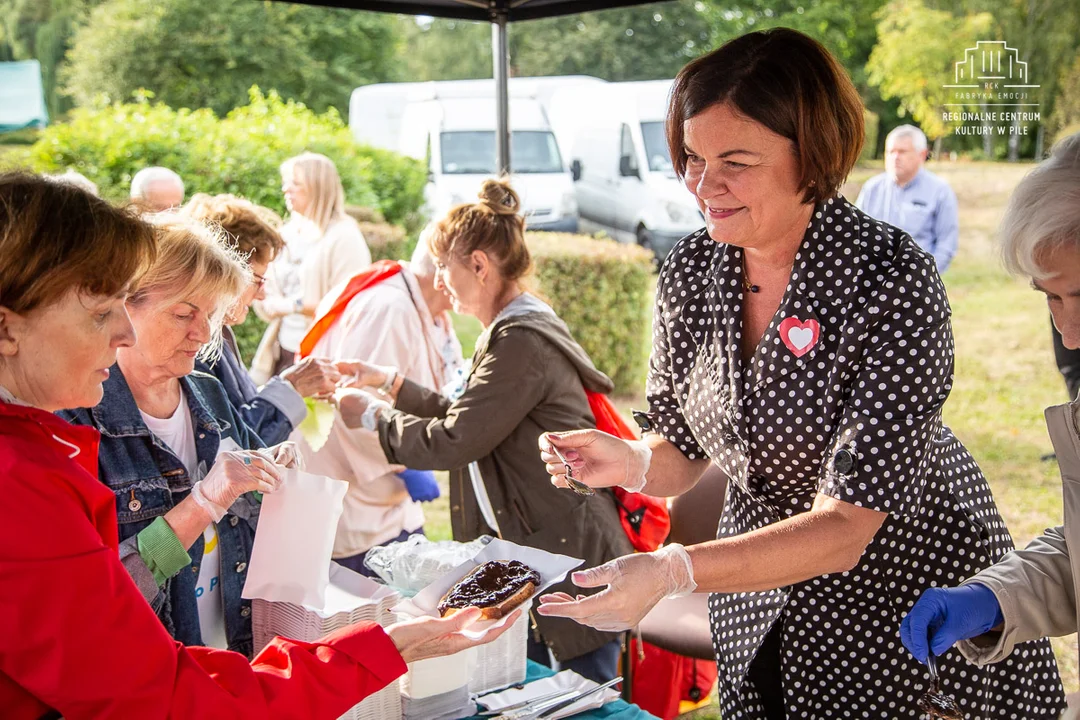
78,637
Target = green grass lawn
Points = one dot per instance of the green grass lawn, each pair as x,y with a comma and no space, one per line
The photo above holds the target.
1005,372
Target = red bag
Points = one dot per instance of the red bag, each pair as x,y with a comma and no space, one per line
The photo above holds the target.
644,518
663,680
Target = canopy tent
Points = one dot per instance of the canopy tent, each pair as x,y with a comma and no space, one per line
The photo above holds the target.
499,13
22,98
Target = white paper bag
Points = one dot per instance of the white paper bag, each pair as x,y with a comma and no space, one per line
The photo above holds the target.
290,561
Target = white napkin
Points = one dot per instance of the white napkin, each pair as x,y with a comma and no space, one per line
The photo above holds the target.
565,680
290,560
552,569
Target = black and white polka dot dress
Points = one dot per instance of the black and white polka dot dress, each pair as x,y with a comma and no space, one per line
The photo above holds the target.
843,397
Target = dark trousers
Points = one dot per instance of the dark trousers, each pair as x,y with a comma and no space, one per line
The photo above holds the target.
766,676
356,562
1068,362
600,665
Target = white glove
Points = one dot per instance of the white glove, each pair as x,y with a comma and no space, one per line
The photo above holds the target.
597,459
635,583
286,454
233,474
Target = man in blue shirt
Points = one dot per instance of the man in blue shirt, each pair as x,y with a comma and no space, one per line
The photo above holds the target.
912,198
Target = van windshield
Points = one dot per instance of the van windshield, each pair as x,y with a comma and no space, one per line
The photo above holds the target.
656,148
472,152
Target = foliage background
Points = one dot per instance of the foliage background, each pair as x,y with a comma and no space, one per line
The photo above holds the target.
238,154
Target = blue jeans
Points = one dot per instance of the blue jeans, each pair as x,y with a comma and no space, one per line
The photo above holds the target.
356,562
600,665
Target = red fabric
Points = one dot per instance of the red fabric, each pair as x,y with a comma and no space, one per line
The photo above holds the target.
644,518
78,637
369,277
662,679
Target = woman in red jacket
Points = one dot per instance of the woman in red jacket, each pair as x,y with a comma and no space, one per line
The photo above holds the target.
76,637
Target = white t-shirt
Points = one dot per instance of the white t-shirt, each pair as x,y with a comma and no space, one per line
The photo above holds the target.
178,433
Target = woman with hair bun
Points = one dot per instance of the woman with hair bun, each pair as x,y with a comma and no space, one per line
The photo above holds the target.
528,375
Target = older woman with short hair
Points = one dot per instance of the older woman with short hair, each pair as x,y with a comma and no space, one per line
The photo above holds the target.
76,638
1030,593
277,408
805,349
186,528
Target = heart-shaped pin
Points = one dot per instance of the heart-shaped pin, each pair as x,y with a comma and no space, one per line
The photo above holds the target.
799,335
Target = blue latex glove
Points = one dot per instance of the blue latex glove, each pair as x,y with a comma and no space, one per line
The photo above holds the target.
421,484
944,616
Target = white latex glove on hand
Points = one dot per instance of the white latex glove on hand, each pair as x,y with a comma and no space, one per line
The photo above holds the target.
277,306
359,409
233,474
597,459
428,637
312,377
359,374
286,454
635,583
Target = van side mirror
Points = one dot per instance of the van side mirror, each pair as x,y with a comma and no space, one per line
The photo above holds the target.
627,169
575,170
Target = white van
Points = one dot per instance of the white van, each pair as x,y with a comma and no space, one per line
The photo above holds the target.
625,184
451,126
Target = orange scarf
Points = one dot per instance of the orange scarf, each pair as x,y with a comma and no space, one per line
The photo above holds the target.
367,278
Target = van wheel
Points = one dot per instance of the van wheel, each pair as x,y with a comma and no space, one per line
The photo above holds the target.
644,238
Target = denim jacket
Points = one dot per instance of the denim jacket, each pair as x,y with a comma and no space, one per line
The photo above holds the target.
272,411
149,480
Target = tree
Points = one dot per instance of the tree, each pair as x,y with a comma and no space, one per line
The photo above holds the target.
914,56
198,54
1066,117
640,43
41,30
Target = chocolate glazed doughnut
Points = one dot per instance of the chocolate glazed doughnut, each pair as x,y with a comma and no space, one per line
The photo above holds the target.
496,587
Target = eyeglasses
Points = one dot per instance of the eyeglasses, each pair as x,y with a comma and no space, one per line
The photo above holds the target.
260,281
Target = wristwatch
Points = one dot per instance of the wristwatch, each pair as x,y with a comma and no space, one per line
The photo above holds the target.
388,383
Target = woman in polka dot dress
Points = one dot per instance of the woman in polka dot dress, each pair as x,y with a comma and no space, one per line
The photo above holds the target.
805,349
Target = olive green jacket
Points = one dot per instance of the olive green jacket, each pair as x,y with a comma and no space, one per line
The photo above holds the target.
528,377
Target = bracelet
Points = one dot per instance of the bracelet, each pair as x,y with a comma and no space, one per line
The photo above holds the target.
388,383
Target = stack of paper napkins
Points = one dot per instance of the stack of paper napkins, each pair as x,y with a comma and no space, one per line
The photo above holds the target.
437,688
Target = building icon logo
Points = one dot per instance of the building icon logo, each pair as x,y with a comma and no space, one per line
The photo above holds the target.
991,92
991,61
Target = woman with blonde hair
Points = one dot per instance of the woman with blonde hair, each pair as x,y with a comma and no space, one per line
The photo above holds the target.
528,374
185,507
323,247
277,408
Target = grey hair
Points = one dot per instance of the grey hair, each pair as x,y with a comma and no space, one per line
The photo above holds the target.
148,176
1044,211
421,262
918,137
75,179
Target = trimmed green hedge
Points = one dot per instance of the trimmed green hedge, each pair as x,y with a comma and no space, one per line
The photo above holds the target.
239,154
600,288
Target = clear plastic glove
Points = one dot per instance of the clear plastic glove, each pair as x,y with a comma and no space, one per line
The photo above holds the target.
233,474
359,409
428,637
312,377
597,459
286,454
945,616
359,374
421,484
635,583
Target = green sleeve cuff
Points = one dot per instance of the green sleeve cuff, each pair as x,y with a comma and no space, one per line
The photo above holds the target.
162,551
